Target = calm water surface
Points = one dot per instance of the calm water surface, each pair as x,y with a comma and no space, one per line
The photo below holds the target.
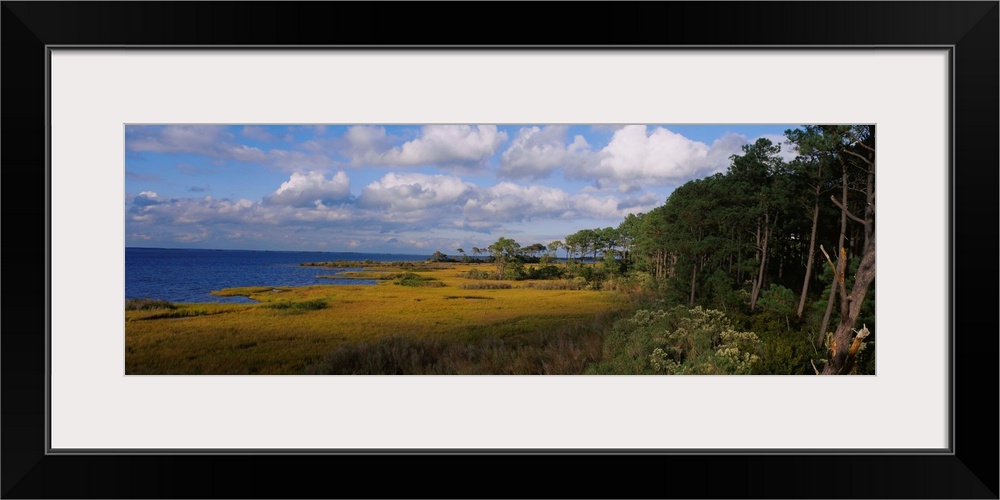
183,275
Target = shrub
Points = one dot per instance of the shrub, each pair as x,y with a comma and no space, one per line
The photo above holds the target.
545,273
485,286
573,284
678,341
477,274
414,279
307,305
514,271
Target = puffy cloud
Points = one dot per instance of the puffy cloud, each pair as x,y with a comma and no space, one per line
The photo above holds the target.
364,140
413,191
636,156
441,145
146,198
718,157
311,189
449,144
150,211
508,203
536,152
147,208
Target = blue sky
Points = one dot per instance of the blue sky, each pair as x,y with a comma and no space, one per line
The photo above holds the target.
406,188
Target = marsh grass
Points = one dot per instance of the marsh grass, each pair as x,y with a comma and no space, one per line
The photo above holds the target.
267,338
147,304
179,311
566,350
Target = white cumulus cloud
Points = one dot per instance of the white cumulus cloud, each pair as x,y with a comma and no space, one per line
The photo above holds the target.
638,156
311,189
414,191
442,145
536,152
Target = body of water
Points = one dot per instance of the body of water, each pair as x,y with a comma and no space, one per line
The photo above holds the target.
185,275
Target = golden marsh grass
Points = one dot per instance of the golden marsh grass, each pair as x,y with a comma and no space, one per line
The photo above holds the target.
293,329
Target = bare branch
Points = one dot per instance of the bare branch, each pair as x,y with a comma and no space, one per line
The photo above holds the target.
866,160
860,143
832,266
848,212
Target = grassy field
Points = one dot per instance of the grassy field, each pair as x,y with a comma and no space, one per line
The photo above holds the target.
429,321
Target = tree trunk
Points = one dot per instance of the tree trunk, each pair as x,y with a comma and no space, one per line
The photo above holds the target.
812,252
841,356
781,265
694,275
840,244
758,284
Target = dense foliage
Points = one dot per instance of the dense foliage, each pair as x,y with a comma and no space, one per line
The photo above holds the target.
766,268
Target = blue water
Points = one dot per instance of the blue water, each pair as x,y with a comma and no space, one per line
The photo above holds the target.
183,275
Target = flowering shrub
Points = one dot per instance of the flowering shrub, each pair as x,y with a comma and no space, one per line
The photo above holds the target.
679,341
739,349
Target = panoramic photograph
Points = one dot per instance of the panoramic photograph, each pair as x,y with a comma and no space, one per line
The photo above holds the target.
520,249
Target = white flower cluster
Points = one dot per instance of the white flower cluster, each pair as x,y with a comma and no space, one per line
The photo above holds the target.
739,349
662,363
645,317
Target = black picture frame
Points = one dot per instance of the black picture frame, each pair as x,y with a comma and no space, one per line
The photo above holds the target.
969,471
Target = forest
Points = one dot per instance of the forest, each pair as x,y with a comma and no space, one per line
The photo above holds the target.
768,268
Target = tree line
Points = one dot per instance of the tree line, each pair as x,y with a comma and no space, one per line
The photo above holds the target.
786,247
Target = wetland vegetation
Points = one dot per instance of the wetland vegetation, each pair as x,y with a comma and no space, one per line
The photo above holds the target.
732,275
